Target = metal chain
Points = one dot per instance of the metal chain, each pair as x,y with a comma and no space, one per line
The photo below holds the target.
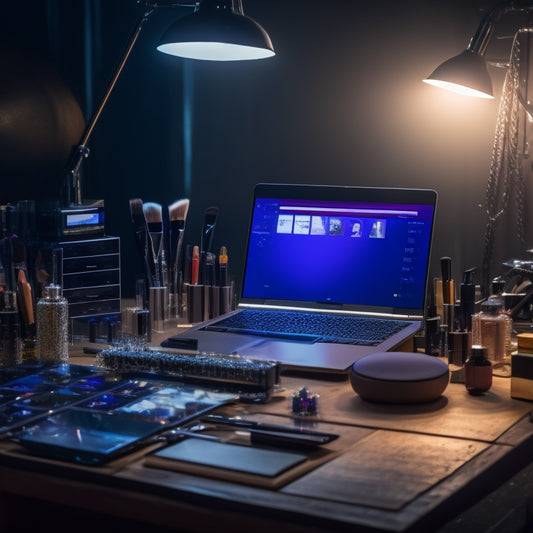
505,166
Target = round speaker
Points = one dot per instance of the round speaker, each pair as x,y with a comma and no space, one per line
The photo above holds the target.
399,377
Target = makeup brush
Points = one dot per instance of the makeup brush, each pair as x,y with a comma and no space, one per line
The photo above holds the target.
208,230
142,238
177,213
25,298
153,213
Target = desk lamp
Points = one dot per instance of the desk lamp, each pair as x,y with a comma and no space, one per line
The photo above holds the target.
217,30
467,74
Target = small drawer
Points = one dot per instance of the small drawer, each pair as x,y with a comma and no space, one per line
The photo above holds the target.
90,263
92,294
93,308
104,246
91,279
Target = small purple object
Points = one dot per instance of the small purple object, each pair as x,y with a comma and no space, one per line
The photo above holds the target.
304,403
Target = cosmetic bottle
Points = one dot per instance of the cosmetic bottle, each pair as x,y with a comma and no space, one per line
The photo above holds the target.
492,328
52,326
10,338
478,371
467,300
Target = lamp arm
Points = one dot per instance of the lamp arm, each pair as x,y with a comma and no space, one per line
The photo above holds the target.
81,152
479,42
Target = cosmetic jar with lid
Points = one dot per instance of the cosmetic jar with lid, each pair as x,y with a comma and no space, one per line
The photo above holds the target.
492,328
478,371
52,326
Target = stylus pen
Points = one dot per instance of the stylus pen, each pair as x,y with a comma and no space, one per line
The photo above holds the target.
251,425
177,434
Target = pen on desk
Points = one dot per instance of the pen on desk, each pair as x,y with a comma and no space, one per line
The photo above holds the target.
253,425
195,265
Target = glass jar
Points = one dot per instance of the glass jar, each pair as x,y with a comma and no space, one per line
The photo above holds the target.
492,328
52,326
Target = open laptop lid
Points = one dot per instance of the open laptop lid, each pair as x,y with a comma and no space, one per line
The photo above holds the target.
360,250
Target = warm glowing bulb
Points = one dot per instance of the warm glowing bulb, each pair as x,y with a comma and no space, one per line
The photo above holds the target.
459,89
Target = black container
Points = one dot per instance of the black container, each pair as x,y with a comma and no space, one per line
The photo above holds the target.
478,371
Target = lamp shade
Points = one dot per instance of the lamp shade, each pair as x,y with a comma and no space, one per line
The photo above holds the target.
465,73
214,31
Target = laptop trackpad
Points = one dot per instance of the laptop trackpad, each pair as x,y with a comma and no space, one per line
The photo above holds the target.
317,355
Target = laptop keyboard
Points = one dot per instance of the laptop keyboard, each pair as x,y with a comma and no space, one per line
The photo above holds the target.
310,327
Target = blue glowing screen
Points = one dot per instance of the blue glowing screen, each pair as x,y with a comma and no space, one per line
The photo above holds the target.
339,252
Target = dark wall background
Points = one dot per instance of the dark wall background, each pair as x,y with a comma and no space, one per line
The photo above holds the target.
342,102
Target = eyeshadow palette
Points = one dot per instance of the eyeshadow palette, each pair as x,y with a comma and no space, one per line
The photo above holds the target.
91,415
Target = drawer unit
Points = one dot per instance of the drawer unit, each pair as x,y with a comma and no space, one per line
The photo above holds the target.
90,276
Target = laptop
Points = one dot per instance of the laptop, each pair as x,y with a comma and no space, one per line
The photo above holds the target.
321,254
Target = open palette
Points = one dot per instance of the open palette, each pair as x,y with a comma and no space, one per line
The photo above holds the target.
90,415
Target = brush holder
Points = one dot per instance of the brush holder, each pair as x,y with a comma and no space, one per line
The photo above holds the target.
157,304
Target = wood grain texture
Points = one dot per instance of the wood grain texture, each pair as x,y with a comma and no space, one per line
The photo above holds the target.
387,469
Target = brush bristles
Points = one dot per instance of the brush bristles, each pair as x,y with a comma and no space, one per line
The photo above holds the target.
210,215
153,212
136,206
179,209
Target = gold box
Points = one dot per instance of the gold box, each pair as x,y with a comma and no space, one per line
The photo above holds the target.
522,376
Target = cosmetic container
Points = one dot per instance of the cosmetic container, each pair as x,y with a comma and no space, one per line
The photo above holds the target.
478,371
52,326
157,306
10,335
492,328
29,343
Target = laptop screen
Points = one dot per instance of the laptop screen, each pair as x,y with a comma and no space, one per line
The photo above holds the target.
350,248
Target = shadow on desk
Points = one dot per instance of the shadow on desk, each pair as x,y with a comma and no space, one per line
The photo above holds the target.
20,514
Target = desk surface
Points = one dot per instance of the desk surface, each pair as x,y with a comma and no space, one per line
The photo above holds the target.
394,468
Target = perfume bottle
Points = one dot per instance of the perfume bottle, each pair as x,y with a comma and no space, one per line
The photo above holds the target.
478,371
52,326
492,328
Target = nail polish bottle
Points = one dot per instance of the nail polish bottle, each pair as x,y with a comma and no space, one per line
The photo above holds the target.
478,371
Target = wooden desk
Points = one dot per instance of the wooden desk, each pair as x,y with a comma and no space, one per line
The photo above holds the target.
399,468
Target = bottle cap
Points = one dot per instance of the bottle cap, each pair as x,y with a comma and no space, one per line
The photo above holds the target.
497,285
53,292
492,306
478,352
